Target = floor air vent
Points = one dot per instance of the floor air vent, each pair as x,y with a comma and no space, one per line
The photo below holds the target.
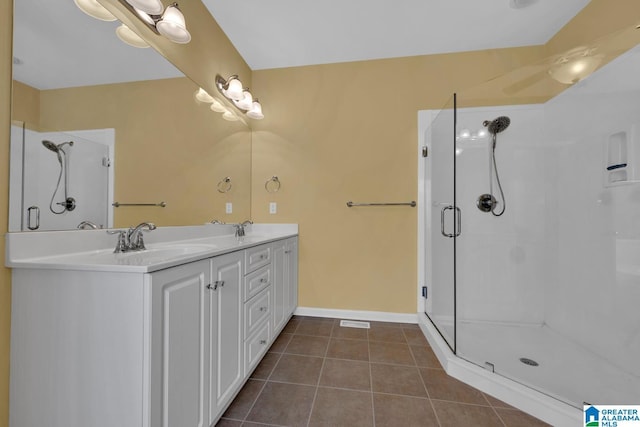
354,324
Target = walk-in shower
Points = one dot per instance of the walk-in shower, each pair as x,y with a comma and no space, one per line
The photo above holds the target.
545,300
69,203
487,202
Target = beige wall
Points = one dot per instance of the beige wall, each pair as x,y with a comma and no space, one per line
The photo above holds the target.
340,132
168,148
6,12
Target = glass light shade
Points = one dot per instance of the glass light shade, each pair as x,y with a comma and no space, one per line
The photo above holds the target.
145,17
234,88
218,107
125,34
246,102
570,72
229,116
203,96
152,7
256,111
172,25
94,9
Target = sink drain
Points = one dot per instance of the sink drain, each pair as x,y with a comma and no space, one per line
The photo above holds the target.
529,362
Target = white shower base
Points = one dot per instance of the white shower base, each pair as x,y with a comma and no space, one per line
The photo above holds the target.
527,399
567,371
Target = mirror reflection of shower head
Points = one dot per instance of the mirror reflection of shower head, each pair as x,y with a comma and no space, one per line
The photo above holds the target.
56,148
497,125
69,203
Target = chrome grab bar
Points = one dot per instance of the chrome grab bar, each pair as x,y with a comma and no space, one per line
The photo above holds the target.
458,215
352,204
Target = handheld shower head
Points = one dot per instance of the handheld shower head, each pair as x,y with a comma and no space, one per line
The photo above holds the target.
497,125
50,146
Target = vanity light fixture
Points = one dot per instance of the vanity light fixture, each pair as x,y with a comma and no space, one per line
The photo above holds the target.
167,22
217,106
94,10
241,97
202,96
128,36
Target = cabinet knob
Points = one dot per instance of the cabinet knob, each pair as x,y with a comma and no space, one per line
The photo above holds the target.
219,283
262,256
263,342
263,308
287,252
263,280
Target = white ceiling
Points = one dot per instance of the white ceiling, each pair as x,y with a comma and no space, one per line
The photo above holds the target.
287,33
59,46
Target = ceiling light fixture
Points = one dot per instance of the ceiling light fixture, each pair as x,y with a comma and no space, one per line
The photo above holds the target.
168,22
575,65
240,97
95,10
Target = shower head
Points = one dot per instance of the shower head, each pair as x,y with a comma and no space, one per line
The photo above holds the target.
497,125
51,146
56,148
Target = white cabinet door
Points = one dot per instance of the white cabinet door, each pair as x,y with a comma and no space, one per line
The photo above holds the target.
225,322
285,281
280,285
291,266
178,348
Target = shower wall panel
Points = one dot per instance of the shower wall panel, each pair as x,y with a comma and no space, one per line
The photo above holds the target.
595,300
500,278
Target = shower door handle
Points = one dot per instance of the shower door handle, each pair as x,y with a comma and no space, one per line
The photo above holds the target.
458,216
30,211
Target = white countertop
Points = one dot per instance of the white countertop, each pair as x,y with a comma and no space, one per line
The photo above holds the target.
92,250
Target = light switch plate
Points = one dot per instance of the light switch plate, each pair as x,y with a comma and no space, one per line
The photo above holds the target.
229,208
273,208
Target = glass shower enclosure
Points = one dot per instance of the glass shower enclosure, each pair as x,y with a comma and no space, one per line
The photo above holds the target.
547,294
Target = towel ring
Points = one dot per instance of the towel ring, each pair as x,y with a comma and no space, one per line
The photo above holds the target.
225,185
272,185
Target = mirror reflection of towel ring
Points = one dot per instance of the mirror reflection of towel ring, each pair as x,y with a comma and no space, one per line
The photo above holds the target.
225,185
272,185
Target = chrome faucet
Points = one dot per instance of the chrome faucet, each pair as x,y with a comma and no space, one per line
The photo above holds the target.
215,221
87,225
240,228
131,239
134,236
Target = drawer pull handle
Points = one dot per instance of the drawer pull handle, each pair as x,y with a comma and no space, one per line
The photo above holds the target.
263,308
287,252
263,280
263,342
262,256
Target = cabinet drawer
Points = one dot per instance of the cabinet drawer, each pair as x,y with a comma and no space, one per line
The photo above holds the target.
256,282
257,257
256,311
255,347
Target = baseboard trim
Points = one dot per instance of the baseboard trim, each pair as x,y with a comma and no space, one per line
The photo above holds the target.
376,316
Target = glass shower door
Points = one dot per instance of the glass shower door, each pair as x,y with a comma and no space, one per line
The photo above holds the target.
442,223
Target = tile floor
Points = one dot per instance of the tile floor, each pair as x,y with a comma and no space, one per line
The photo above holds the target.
320,374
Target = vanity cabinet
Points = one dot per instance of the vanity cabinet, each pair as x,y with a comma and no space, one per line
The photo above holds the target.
169,348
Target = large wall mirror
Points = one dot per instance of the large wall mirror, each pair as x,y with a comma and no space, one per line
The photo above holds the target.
139,136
